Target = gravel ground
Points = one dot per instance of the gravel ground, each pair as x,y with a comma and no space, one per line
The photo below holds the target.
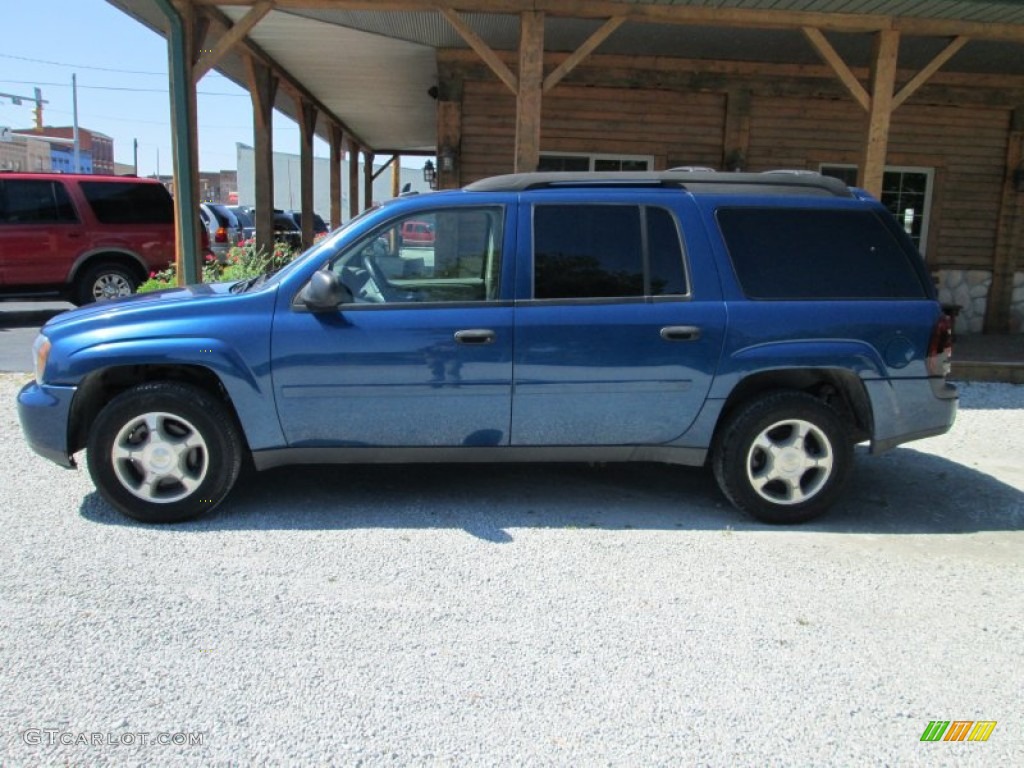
525,615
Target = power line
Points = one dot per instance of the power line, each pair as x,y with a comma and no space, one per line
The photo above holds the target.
117,88
86,66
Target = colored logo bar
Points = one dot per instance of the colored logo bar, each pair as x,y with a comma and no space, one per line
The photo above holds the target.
958,730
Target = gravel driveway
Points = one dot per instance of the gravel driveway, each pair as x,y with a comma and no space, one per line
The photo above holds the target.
520,615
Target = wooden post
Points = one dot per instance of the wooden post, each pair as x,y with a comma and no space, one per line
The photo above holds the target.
449,138
336,140
736,141
263,89
367,179
396,176
1009,236
530,93
883,84
353,178
307,126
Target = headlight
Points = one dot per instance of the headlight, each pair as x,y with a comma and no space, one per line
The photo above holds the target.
40,354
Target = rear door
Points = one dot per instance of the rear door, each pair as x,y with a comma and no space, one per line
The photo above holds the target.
40,232
619,327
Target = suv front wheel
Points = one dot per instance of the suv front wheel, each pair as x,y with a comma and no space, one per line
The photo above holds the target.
783,457
163,452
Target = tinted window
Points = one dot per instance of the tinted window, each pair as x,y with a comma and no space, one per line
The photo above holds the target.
225,217
598,251
126,202
31,201
817,254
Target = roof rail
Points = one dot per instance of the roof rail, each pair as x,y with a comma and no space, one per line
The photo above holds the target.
694,181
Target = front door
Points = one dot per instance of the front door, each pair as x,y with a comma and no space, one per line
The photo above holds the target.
421,357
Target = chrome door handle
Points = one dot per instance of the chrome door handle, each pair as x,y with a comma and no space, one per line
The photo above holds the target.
475,336
680,333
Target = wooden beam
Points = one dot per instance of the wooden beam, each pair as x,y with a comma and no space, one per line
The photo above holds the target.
530,94
307,127
483,50
834,60
232,37
663,13
367,179
263,90
925,74
1009,235
384,167
883,83
335,139
588,47
353,178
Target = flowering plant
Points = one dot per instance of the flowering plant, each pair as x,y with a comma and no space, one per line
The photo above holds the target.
243,261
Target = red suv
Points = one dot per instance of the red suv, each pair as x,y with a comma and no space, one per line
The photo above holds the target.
81,237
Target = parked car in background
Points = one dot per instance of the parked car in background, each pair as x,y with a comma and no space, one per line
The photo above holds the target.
246,220
223,227
81,237
415,233
761,325
288,227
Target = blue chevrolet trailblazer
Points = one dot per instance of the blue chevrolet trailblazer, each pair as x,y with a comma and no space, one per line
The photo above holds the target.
762,324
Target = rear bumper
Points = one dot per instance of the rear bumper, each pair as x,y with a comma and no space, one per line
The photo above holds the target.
44,412
910,409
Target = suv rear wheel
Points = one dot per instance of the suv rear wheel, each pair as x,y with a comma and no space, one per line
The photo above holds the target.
783,457
105,281
163,452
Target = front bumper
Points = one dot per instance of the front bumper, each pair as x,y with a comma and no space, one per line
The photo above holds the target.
45,412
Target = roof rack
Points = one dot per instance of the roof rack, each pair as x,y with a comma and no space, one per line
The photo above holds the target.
697,182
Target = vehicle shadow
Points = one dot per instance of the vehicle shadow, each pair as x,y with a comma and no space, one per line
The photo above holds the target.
902,492
26,318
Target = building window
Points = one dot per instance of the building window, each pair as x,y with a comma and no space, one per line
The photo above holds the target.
906,192
578,161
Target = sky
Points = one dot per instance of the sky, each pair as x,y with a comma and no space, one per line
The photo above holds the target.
121,70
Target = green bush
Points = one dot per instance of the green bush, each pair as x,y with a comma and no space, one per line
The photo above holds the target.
243,261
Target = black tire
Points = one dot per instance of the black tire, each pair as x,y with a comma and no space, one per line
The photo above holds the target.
783,458
105,281
164,452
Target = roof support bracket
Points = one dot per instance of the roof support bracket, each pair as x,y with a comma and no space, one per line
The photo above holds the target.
588,47
233,36
925,74
842,70
484,51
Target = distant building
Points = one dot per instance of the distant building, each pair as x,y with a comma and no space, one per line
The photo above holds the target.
24,153
286,182
99,146
62,158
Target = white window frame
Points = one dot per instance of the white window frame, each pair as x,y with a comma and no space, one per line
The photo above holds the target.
594,156
929,190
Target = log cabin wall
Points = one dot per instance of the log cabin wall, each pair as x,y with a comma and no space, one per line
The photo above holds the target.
686,119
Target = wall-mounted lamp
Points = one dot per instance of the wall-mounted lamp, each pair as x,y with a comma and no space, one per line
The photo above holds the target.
430,174
446,160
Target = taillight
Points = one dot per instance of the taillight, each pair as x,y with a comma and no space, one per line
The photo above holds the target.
940,347
221,236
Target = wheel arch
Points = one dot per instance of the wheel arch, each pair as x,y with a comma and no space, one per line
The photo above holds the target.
842,389
120,256
101,386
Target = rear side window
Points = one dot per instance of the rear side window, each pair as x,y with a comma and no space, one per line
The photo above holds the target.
126,202
29,201
817,254
606,251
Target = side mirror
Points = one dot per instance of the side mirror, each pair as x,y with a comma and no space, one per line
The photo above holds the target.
325,292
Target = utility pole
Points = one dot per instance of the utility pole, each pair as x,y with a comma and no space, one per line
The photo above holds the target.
74,103
135,154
